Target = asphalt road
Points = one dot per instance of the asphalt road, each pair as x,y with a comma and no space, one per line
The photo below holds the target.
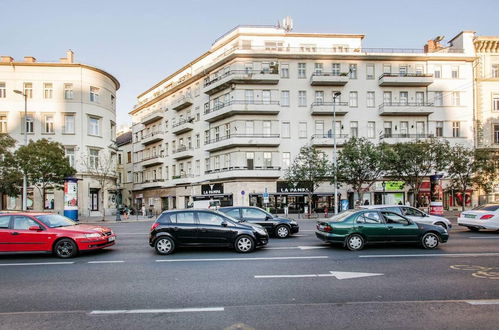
295,283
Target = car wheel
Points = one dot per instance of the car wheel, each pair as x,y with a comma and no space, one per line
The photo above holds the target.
355,242
474,229
65,248
430,240
164,245
282,231
244,244
441,224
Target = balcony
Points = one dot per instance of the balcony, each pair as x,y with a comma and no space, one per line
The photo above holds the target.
241,107
182,153
182,179
405,109
402,138
152,138
154,183
243,140
327,140
152,161
254,77
326,108
405,80
185,125
244,172
182,103
328,79
152,117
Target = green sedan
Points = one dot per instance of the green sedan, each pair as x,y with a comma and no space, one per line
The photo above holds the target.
355,228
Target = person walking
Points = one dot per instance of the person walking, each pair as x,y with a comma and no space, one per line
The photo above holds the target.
126,211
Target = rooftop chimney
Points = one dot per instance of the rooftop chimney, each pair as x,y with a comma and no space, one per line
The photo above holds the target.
7,59
29,59
70,56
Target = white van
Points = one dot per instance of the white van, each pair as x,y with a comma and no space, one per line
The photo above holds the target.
212,204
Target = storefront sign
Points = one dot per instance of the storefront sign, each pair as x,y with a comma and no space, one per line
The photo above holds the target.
212,189
390,186
293,187
71,198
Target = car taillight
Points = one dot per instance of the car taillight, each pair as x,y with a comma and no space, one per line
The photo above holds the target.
154,225
486,216
324,227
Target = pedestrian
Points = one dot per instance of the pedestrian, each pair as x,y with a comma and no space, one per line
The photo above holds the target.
399,203
366,202
143,210
407,203
326,212
286,210
125,212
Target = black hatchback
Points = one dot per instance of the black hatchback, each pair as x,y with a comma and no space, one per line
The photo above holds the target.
275,225
204,228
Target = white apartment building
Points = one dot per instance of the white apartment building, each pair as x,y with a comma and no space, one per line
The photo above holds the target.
125,167
229,123
67,102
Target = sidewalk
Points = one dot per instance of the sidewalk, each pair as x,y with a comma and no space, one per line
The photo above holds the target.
112,219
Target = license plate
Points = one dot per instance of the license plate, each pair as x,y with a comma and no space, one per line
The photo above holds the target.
111,239
472,216
321,227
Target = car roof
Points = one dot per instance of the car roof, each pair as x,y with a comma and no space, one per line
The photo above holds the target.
24,213
379,206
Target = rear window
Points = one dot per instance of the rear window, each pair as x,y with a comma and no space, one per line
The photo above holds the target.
4,221
164,218
183,217
489,207
342,216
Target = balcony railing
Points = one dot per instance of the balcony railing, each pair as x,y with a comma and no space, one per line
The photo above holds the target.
235,107
329,79
405,109
247,136
152,116
326,108
405,79
245,168
406,136
239,72
182,103
152,137
328,139
242,140
182,152
222,105
183,126
226,79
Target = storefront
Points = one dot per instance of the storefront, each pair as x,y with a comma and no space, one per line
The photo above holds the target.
215,191
389,192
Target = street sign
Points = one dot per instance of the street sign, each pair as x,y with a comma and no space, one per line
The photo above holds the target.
265,196
242,192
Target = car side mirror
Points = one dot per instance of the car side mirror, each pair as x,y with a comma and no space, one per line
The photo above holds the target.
224,223
35,228
268,217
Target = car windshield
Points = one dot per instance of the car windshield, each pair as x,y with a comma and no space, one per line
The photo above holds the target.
489,207
342,216
228,216
55,220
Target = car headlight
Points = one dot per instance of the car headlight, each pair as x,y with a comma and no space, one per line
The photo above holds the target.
261,231
95,235
293,222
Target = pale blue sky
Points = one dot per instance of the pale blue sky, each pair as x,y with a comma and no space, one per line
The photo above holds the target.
141,42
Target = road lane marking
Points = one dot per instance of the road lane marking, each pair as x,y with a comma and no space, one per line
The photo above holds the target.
242,259
338,275
484,237
449,255
307,229
39,263
483,302
106,262
157,311
142,234
301,247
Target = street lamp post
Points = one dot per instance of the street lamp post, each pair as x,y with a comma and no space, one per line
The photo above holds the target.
335,95
25,179
383,184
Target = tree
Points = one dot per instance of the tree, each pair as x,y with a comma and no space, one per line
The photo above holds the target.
413,161
360,164
10,176
488,176
102,168
44,163
312,166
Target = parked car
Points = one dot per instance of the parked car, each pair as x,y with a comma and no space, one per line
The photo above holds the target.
414,214
355,228
199,227
212,204
45,232
481,217
275,225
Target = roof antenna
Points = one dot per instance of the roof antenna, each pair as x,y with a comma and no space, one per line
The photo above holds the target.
287,24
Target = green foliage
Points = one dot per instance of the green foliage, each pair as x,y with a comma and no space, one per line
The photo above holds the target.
10,176
45,163
487,176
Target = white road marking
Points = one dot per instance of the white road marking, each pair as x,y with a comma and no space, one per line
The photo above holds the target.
312,247
483,302
39,263
338,275
151,311
241,259
301,247
295,235
485,237
142,234
106,262
307,229
282,248
450,255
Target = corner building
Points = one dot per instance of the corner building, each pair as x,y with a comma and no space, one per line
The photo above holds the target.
229,123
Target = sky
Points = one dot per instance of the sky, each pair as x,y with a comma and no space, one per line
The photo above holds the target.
142,42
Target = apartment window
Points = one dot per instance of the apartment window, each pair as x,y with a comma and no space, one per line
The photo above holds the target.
28,90
456,129
404,98
495,102
419,98
495,71
302,98
129,157
206,137
198,141
266,97
93,158
352,70
30,123
387,98
48,123
318,68
286,159
387,68
319,127
496,134
113,98
3,123
284,70
371,129
3,90
353,100
455,72
285,98
217,163
419,69
198,167
266,127
439,129
336,69
456,98
319,97
69,124
68,91
302,70
48,90
337,128
246,44
404,128
249,128
227,130
336,99
249,96
387,126
285,130
438,99
93,126
354,129
420,128
94,94
302,130
370,99
403,70
166,149
370,71
250,159
70,155
437,71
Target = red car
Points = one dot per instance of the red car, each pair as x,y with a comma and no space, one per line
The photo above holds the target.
43,232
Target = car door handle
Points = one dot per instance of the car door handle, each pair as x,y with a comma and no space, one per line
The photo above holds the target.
390,227
14,233
360,227
175,228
